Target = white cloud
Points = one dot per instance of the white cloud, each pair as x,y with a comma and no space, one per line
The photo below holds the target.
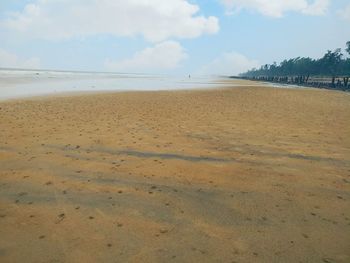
229,64
277,8
163,56
318,7
345,13
156,20
10,60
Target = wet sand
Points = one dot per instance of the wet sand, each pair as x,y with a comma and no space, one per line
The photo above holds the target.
247,174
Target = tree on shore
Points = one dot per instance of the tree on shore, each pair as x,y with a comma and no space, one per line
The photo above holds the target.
332,64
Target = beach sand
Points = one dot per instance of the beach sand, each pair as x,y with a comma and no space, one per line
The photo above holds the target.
253,174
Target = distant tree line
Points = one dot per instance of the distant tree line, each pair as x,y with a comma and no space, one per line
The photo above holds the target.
301,70
332,64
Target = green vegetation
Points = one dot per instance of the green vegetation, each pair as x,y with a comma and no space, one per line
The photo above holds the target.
332,64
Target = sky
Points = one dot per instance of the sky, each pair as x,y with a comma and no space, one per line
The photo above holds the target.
211,37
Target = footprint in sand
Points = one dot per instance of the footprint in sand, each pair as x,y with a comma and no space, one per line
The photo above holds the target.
61,217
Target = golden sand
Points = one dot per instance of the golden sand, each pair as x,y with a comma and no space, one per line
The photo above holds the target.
250,174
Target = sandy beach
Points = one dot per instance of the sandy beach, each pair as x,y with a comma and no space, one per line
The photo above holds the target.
250,174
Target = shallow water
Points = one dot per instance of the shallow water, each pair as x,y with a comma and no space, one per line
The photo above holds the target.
23,83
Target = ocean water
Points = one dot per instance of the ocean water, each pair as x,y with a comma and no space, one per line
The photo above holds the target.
24,83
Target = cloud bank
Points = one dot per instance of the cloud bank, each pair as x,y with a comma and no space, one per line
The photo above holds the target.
277,8
155,20
229,64
163,56
345,13
10,60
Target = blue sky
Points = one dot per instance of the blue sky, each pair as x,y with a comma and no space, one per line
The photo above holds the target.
173,36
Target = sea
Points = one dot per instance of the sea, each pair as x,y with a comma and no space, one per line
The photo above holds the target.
20,83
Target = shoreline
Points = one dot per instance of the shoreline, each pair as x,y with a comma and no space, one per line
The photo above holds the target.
310,84
226,85
31,83
68,94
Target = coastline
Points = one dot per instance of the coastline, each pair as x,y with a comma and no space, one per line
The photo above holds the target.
241,174
28,83
299,82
